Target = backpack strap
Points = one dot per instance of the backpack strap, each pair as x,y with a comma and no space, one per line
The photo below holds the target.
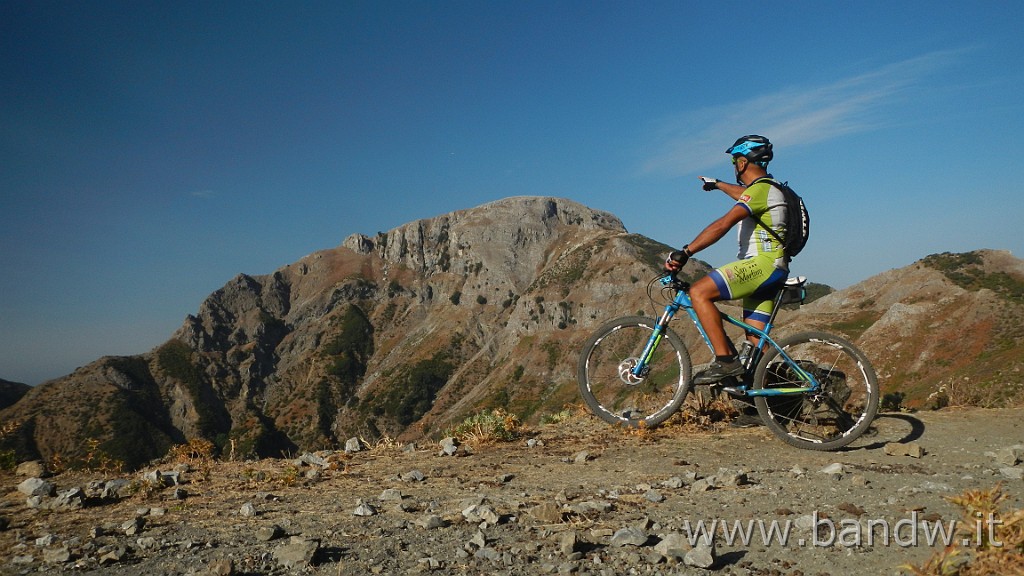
775,234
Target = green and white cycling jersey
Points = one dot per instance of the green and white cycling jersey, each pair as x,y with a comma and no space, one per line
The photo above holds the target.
767,203
762,268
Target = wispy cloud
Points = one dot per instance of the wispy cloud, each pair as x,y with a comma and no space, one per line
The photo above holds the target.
791,116
202,194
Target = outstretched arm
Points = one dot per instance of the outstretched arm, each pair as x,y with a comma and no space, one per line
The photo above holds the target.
733,191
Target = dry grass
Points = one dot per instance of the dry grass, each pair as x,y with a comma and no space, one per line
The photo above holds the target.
97,460
383,444
995,539
196,452
488,428
701,413
568,414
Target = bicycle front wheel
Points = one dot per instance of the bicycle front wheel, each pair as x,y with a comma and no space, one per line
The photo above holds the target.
830,418
614,393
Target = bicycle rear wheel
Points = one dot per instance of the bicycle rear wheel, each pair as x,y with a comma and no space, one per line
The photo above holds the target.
617,396
828,419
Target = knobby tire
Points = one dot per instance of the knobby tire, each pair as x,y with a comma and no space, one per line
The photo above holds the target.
833,417
621,399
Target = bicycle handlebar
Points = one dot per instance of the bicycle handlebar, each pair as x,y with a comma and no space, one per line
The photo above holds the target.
670,280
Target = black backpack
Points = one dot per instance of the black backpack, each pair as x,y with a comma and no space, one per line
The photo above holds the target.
798,221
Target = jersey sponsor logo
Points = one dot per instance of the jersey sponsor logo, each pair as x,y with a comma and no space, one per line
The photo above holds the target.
745,198
746,273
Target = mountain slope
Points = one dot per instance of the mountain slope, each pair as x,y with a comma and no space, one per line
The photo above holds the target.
407,332
398,334
11,392
947,329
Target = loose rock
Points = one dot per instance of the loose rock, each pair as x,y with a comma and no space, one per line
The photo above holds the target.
297,553
910,449
32,469
702,555
36,487
353,445
629,536
449,446
268,533
673,546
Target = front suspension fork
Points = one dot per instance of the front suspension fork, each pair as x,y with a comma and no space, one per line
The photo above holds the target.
652,344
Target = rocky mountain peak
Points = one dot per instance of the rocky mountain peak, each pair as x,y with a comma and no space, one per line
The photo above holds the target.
508,238
407,332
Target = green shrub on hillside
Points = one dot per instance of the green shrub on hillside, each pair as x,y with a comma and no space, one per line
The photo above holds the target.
135,436
414,393
351,347
816,290
176,360
967,271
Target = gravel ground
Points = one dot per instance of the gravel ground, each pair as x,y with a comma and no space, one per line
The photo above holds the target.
571,498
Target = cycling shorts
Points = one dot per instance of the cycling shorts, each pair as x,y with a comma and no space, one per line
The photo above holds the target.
754,280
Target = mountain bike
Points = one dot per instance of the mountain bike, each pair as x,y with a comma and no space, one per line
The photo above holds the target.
813,390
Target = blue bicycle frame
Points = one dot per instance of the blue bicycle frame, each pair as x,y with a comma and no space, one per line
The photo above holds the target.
682,301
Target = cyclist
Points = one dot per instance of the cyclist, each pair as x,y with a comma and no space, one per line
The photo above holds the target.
762,268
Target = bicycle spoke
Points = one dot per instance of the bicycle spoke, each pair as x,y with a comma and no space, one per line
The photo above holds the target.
831,417
614,393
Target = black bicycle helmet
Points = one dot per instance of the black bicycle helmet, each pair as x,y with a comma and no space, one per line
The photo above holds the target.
755,148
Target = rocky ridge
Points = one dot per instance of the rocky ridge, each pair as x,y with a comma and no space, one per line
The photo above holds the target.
408,332
398,334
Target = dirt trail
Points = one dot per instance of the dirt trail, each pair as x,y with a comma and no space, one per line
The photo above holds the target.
557,504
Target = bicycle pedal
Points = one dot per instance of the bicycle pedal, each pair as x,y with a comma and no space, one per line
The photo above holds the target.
731,385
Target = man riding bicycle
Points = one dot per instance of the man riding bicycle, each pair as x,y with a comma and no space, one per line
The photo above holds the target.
762,267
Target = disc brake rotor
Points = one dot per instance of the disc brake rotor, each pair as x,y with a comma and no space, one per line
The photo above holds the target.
626,372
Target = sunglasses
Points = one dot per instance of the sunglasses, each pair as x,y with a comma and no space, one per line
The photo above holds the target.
736,159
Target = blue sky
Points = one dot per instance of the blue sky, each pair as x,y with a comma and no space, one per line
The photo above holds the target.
150,151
